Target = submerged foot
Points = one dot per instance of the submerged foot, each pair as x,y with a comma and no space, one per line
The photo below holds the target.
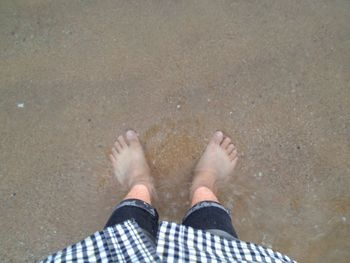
129,162
216,164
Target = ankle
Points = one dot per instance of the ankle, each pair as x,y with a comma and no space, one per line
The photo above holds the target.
204,179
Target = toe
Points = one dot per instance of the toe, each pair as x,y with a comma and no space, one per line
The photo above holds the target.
122,141
218,137
115,153
112,158
233,155
230,148
225,142
118,147
132,138
234,161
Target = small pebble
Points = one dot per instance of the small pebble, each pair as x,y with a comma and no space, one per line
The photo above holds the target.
178,106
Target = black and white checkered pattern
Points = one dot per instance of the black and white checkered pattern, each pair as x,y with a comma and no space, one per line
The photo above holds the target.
176,243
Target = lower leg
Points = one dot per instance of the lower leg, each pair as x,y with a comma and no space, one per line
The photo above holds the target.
140,192
208,214
201,194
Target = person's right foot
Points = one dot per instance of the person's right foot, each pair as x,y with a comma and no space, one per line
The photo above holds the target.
216,164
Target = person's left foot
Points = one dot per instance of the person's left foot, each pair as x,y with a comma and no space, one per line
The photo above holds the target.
129,162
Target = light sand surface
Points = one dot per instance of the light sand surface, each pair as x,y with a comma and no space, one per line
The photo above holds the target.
272,74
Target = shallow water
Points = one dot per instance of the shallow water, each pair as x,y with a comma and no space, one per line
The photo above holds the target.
272,74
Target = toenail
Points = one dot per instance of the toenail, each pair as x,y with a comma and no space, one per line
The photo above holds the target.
219,133
131,134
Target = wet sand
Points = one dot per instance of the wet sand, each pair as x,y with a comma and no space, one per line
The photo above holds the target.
274,75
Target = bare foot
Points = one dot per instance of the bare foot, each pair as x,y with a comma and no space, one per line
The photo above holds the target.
129,162
216,164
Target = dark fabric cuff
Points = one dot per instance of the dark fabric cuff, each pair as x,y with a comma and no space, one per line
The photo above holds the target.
206,204
140,204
